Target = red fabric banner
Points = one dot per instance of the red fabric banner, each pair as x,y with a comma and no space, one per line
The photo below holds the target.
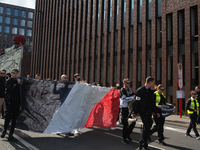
105,113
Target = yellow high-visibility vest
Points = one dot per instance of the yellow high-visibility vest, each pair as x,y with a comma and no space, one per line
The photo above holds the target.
192,106
158,98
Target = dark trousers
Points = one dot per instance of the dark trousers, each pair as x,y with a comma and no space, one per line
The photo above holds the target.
159,127
193,119
11,113
147,123
127,129
2,111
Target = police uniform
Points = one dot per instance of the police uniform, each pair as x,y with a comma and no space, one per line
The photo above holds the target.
159,127
145,106
191,105
126,96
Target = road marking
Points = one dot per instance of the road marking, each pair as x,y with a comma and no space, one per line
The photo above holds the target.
28,145
132,140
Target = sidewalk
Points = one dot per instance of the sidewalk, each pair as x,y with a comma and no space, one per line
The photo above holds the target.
175,120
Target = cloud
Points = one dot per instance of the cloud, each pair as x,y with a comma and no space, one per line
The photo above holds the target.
23,3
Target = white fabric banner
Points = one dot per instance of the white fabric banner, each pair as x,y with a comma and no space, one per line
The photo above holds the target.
74,112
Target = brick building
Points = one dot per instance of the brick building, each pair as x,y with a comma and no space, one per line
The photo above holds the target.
108,40
15,20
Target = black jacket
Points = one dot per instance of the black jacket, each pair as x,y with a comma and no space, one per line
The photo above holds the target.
144,101
12,92
2,87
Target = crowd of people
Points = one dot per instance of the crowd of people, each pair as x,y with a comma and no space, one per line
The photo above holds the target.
148,102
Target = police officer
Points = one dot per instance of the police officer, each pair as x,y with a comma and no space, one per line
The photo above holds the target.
160,101
192,107
12,100
126,96
144,104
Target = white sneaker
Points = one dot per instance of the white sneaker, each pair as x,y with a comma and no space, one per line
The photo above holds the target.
118,122
76,131
198,137
112,128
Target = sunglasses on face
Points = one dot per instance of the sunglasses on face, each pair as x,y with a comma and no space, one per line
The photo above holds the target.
127,82
2,73
194,93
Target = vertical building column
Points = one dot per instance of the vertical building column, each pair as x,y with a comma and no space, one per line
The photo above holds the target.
55,42
64,13
135,33
42,42
58,48
74,38
99,41
153,39
66,37
187,53
94,39
119,46
144,40
112,43
79,36
88,39
43,72
127,39
199,38
83,36
50,70
175,56
69,44
34,42
107,13
164,47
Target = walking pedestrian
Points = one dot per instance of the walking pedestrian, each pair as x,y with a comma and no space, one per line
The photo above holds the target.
126,96
12,100
145,106
160,101
197,90
192,107
2,91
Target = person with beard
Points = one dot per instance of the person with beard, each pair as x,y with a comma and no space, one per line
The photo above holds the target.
2,91
126,96
144,104
13,103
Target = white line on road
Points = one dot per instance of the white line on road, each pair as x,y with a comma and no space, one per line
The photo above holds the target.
28,145
132,140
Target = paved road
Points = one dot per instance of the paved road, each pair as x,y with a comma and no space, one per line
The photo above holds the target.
98,139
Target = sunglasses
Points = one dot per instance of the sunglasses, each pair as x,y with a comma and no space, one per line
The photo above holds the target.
127,82
194,93
2,73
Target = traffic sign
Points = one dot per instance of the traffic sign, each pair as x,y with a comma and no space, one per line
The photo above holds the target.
180,75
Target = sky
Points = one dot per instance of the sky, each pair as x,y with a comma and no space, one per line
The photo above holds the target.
23,3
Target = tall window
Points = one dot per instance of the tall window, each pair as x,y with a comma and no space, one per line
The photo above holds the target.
29,32
16,12
194,23
159,2
30,24
30,15
110,16
21,31
7,20
6,29
1,19
0,28
23,13
14,30
132,11
169,30
124,14
22,23
181,25
15,21
149,10
8,11
140,11
117,12
1,10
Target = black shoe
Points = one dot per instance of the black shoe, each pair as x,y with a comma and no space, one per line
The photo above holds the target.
11,138
69,134
125,141
3,134
129,139
188,135
162,143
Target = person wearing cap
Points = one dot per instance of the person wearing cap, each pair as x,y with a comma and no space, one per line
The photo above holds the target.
77,77
12,101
